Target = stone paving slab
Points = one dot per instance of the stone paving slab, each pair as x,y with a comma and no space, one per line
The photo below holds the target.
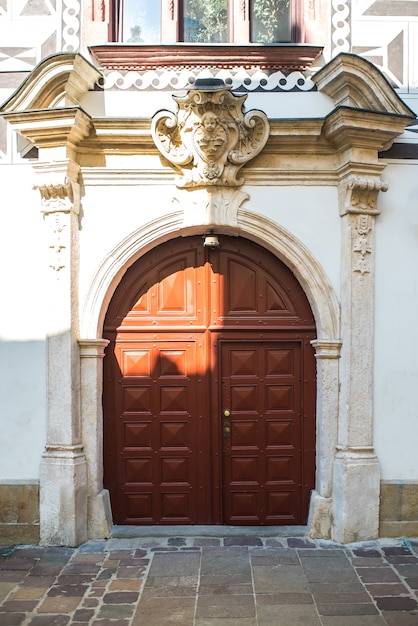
191,580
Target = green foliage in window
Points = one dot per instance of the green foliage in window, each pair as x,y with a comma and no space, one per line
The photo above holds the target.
270,21
135,35
206,21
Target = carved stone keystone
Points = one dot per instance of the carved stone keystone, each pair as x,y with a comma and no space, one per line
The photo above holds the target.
210,138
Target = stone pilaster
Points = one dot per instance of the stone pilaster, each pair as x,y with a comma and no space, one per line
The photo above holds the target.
356,469
99,518
63,474
327,354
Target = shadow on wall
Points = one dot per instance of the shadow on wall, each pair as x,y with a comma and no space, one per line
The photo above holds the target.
23,436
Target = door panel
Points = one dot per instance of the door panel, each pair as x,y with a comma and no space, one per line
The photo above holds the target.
262,458
159,442
194,332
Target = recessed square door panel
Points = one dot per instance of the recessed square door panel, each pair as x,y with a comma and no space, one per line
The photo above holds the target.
244,507
139,470
136,398
137,434
244,433
279,398
279,469
175,435
138,506
244,469
279,362
280,505
175,470
280,433
135,362
175,508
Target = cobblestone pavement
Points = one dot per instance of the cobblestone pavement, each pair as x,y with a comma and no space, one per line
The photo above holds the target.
211,581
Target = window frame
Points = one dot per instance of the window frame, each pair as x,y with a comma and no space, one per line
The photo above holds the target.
239,27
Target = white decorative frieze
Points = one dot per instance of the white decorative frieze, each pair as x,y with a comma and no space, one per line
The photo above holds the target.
71,25
341,28
210,138
240,79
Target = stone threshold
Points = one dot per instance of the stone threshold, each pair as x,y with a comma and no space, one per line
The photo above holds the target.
128,532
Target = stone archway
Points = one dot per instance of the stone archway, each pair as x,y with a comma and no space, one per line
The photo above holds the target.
327,345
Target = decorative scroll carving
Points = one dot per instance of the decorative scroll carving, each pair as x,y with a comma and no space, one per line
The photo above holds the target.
209,139
362,195
362,245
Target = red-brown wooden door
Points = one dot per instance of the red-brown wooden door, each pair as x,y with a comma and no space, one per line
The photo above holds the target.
262,424
194,333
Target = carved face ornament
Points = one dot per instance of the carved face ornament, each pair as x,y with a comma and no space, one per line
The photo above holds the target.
209,138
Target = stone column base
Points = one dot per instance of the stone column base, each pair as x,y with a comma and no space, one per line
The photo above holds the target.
100,520
356,490
320,516
63,497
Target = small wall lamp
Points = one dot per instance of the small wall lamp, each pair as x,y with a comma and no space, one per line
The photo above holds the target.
211,241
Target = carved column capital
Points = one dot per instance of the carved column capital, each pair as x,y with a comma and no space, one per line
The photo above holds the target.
327,349
360,195
56,198
59,187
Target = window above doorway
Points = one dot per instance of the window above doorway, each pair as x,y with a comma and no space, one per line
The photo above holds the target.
207,21
224,34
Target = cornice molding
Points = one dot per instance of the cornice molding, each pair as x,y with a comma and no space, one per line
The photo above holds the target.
352,81
61,79
50,128
141,58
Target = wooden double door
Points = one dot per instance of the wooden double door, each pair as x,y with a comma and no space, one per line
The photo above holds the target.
209,389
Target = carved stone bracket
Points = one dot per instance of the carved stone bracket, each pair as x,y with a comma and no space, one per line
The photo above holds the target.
211,207
56,198
209,139
60,195
361,195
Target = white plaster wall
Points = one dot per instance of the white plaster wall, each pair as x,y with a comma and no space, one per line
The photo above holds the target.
144,104
22,325
110,214
396,330
311,214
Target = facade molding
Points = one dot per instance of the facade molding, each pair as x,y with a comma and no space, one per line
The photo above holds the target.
60,78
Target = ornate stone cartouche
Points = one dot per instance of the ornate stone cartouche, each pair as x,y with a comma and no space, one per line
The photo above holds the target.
210,138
